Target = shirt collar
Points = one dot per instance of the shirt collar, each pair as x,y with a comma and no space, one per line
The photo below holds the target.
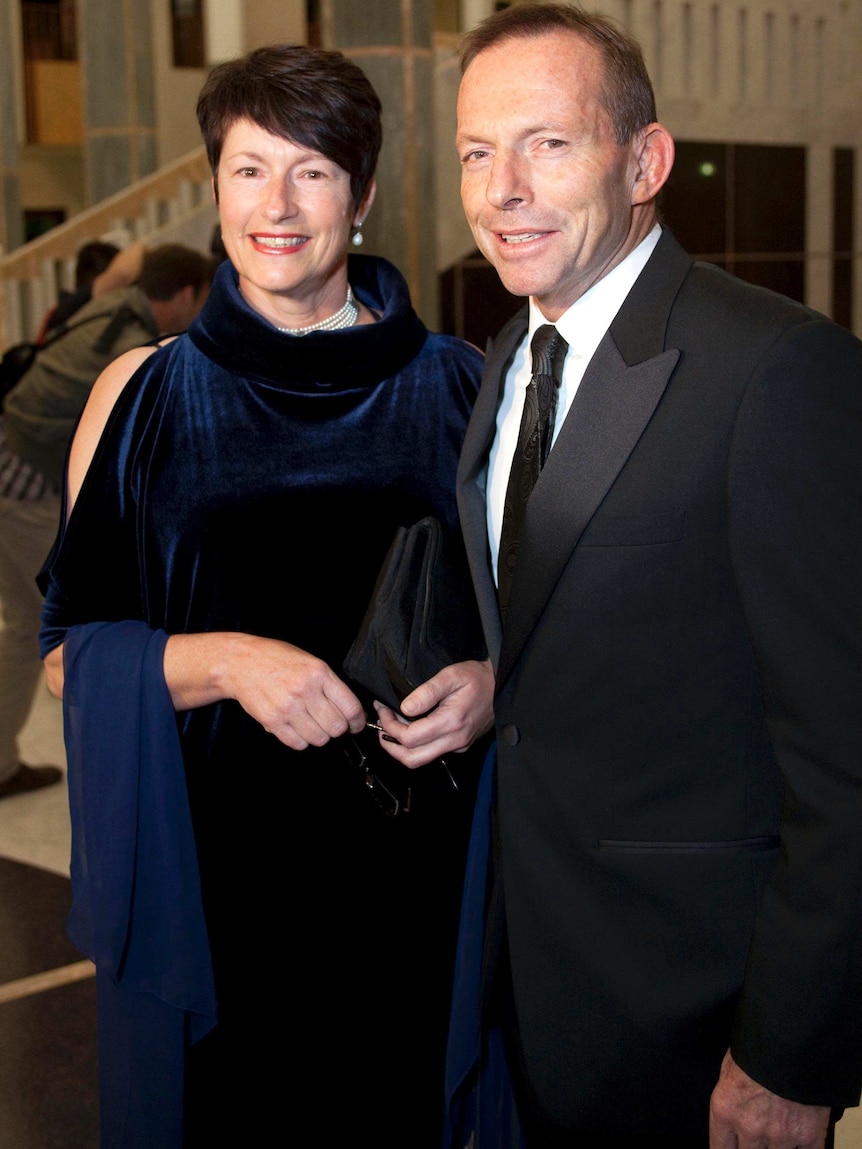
584,324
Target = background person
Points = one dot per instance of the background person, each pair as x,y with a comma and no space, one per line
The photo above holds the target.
38,420
100,268
92,259
244,493
676,639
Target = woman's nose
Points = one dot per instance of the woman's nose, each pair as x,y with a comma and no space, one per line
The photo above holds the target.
280,200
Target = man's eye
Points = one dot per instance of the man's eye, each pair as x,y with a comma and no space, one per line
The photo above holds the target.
476,154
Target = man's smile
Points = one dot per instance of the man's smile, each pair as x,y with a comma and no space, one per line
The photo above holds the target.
520,237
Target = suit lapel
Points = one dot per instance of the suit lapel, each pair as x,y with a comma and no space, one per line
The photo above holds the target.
472,471
613,405
482,425
620,390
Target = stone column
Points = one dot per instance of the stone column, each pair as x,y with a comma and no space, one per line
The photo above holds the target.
116,50
11,220
391,42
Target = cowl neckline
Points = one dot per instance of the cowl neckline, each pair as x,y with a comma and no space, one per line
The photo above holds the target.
240,340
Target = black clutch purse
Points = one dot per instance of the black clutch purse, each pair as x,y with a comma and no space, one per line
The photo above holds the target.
422,616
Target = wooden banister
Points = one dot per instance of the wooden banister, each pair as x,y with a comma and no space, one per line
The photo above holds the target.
31,275
62,242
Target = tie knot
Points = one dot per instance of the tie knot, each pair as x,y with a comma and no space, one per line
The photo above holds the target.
549,349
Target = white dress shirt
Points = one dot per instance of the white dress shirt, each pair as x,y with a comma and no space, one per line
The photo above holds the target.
583,326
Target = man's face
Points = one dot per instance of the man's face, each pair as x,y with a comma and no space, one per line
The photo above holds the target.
548,192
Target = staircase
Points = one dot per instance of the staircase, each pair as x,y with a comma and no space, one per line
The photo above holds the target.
174,205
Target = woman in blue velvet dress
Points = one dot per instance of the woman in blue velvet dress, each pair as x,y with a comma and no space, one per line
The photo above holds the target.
231,496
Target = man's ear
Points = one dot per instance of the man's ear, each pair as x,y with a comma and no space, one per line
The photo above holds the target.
653,153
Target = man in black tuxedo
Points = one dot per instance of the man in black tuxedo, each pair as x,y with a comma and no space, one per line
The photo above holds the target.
679,659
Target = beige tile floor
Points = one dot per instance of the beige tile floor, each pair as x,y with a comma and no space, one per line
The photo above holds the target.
34,828
848,1133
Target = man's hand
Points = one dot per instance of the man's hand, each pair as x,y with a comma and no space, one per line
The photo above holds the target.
745,1115
460,699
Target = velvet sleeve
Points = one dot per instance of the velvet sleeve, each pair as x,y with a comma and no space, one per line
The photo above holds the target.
92,573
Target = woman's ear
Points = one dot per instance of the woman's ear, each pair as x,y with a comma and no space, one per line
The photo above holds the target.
365,203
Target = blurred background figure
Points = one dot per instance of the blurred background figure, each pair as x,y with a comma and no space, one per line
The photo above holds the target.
93,259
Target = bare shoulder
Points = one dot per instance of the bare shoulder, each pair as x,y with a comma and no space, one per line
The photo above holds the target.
103,397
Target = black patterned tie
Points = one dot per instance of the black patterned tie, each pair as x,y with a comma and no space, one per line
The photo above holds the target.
534,442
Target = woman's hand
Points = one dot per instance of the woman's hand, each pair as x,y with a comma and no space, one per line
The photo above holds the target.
460,699
54,671
291,693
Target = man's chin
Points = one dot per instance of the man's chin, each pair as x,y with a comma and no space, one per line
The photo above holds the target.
515,284
521,280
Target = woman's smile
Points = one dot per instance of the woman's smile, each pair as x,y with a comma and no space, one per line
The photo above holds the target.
279,244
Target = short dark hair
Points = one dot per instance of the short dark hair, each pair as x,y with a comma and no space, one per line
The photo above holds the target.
171,267
318,99
93,258
627,93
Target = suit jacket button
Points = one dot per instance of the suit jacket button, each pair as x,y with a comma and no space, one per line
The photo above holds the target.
511,735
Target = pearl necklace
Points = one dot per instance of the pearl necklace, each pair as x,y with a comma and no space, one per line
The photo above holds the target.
345,317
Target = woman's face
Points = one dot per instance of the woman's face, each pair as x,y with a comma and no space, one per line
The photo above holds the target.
286,213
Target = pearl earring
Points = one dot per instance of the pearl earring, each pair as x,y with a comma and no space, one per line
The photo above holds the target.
357,235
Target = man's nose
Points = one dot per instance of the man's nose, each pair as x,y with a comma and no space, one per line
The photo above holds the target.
508,182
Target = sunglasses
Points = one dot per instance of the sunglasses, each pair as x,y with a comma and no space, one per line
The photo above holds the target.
392,804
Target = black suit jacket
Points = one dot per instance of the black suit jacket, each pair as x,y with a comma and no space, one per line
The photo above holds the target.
679,709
